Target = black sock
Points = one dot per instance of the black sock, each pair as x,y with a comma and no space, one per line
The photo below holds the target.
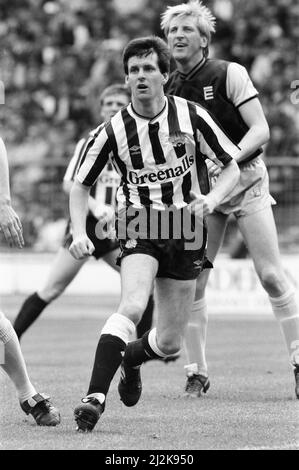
146,321
107,360
139,351
30,310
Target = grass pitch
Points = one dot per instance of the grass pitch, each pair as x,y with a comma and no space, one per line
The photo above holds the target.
250,405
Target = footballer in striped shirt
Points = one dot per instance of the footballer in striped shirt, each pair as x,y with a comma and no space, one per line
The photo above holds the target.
154,144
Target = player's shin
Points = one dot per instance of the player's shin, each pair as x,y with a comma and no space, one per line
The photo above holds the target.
114,337
286,311
195,339
30,311
14,364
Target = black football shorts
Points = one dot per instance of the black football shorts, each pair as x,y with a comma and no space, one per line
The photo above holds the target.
174,261
102,247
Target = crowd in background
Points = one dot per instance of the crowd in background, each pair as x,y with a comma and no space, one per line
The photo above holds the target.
57,56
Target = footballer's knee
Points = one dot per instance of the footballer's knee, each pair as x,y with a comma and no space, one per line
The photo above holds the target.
169,347
273,281
133,308
6,328
50,293
169,343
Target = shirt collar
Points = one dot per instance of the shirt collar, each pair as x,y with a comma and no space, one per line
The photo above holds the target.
196,68
134,113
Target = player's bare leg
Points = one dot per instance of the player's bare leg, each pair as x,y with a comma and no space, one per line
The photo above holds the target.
110,259
31,402
175,299
196,332
260,234
64,269
147,318
137,274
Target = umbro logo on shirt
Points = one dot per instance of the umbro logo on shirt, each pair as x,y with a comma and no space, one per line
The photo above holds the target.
135,149
208,92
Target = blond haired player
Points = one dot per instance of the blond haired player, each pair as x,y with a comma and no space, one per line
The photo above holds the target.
225,89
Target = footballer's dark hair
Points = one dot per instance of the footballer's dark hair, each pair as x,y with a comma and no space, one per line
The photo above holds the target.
142,47
115,89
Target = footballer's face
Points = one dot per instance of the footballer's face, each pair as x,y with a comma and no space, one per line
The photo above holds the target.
145,78
112,104
185,41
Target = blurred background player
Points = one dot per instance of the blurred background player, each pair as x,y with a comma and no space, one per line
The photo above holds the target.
101,207
225,89
31,402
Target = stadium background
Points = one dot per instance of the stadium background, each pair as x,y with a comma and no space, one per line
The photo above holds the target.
55,59
57,56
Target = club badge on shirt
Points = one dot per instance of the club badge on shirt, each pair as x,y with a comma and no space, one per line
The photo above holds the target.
177,139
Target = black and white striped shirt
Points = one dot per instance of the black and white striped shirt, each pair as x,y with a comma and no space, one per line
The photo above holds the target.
105,188
156,157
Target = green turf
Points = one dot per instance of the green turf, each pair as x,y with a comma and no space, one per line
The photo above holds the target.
250,404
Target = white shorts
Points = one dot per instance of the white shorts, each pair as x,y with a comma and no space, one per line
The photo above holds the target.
251,194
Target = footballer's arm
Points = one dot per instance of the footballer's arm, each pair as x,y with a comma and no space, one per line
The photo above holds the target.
93,206
258,133
81,246
10,223
244,96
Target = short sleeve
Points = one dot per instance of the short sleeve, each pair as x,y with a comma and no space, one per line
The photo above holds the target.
239,87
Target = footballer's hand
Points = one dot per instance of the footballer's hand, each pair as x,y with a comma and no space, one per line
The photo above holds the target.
201,205
81,247
214,170
11,226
